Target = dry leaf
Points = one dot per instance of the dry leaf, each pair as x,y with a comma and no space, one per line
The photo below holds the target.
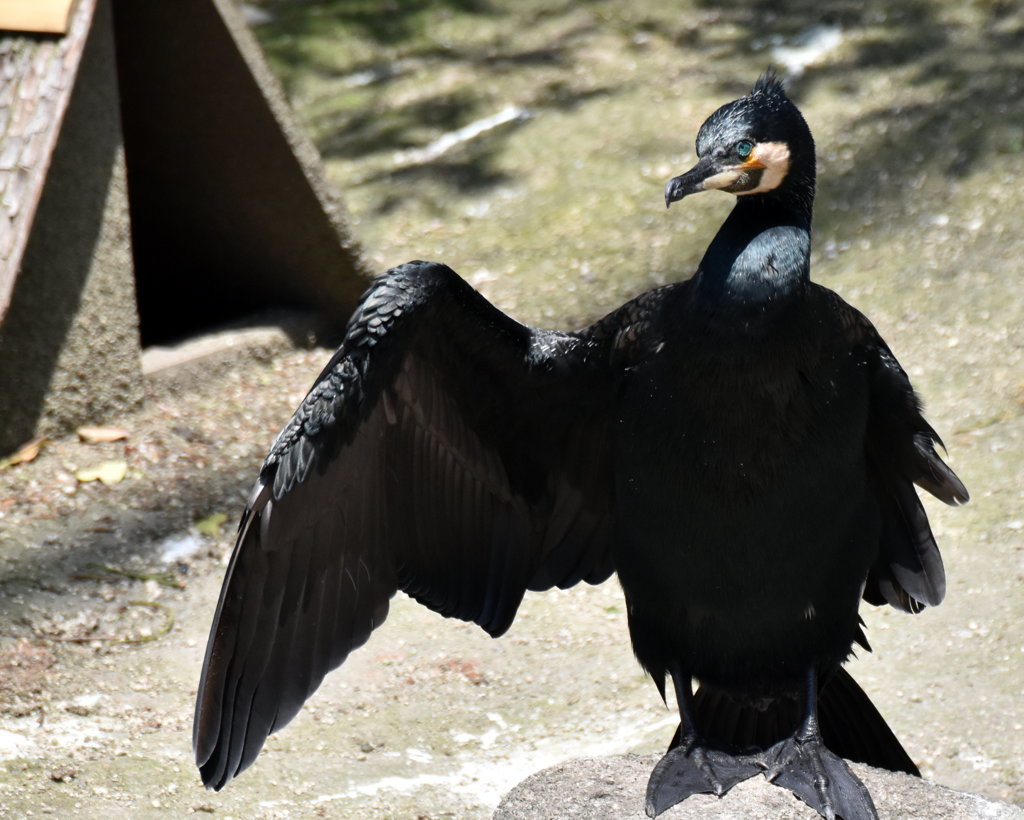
107,472
94,435
211,525
25,453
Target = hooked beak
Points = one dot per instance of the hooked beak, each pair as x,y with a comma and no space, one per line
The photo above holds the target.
708,174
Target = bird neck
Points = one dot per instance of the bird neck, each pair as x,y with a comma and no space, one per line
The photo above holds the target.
760,257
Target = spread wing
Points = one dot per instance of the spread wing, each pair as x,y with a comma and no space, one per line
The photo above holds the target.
445,450
901,448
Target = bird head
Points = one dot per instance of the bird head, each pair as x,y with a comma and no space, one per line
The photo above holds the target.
757,144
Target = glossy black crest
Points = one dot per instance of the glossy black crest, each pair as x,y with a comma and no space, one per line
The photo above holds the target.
766,114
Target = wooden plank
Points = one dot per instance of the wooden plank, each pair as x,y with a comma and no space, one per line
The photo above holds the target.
36,80
48,16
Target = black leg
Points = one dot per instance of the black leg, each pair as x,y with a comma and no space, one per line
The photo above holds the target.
804,765
691,767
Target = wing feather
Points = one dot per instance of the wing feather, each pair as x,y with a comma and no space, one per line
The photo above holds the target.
444,450
901,444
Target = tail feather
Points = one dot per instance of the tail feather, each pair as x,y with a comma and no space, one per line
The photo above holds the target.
851,726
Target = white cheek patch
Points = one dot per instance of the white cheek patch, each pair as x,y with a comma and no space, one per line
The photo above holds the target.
774,156
723,179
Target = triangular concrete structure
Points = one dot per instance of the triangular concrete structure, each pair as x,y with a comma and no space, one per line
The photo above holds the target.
167,112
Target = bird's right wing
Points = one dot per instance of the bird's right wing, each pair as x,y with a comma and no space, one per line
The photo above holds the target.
445,450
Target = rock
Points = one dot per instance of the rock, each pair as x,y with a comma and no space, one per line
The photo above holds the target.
612,788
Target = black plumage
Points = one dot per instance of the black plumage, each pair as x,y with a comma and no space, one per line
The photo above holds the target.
740,448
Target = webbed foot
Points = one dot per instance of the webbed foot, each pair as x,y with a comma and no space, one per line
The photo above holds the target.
692,768
822,780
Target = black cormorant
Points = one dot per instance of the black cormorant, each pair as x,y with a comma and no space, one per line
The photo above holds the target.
741,448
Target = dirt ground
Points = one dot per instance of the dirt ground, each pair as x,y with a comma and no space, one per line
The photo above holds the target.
106,594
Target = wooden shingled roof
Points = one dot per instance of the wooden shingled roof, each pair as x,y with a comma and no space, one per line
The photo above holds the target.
37,74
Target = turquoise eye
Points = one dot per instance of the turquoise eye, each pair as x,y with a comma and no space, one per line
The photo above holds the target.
744,147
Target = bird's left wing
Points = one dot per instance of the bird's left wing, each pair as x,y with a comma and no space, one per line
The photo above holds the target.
445,450
901,452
